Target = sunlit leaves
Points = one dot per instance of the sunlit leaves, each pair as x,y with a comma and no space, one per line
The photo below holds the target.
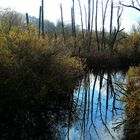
31,66
133,95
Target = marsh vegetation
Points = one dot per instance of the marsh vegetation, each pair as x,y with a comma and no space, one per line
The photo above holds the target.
65,81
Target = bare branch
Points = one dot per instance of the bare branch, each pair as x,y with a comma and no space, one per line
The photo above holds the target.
138,3
131,6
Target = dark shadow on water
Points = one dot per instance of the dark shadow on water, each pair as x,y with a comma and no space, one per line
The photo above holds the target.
37,121
88,113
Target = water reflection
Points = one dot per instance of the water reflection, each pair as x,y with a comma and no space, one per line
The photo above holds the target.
88,113
102,113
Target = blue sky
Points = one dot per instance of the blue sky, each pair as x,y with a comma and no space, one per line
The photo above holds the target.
52,10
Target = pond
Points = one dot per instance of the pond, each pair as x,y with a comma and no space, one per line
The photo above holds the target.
91,112
101,114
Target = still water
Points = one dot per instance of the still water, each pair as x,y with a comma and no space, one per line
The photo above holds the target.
101,114
91,112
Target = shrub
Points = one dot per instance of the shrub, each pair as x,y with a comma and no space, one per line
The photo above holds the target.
132,100
30,68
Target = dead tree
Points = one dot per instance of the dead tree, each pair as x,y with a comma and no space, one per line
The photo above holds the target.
82,26
116,30
89,18
89,26
92,16
111,17
91,23
27,19
113,33
43,32
103,23
134,4
39,26
96,26
89,14
73,26
92,13
27,22
62,23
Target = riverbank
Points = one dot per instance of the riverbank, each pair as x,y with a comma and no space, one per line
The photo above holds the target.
132,100
32,68
107,60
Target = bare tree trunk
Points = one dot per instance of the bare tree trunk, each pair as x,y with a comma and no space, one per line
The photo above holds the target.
111,18
103,28
92,17
83,38
43,33
103,23
39,21
117,30
89,26
96,26
73,13
27,19
62,21
86,18
89,13
73,26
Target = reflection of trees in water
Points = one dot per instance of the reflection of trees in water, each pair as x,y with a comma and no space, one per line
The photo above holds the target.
38,121
56,115
109,86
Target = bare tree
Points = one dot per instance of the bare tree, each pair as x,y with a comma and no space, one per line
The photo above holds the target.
118,29
92,12
40,12
81,15
103,23
111,17
90,22
43,33
62,24
104,10
135,4
96,26
89,14
73,25
27,19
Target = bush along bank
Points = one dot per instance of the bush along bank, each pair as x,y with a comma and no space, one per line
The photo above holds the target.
31,68
132,107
